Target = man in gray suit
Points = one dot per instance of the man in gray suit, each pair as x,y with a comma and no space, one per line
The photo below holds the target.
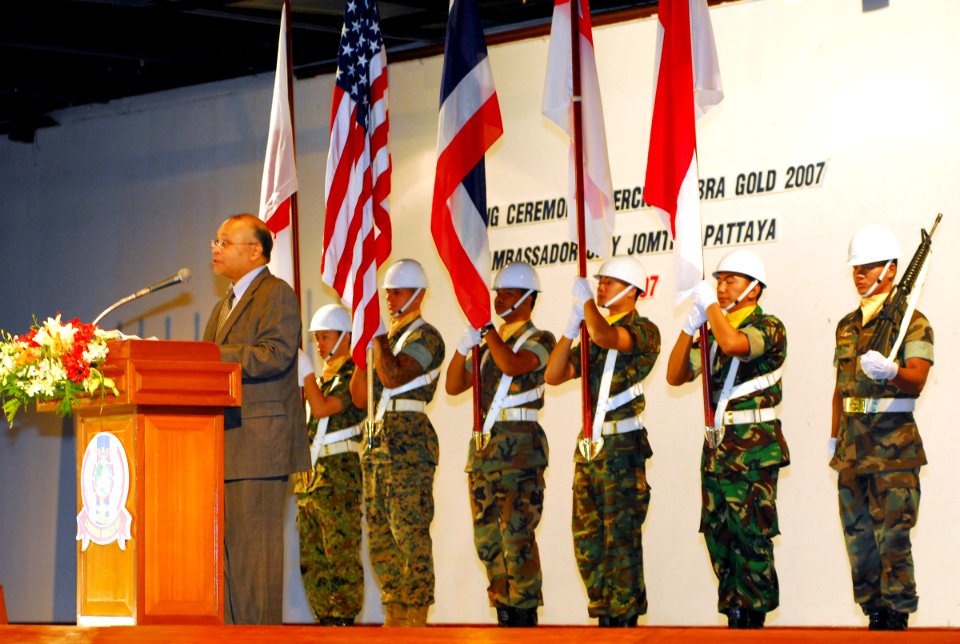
265,440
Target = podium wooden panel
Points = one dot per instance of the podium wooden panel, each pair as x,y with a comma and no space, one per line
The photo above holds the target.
169,420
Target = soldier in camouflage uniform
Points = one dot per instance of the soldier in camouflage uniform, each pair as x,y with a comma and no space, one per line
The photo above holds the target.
876,446
399,466
739,474
329,495
506,475
610,490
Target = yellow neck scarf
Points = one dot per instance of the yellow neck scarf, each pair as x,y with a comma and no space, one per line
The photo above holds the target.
612,319
398,323
737,317
331,367
870,306
507,330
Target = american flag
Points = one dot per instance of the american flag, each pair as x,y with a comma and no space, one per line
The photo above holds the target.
356,238
469,124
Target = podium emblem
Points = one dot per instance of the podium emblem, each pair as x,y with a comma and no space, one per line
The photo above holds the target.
104,487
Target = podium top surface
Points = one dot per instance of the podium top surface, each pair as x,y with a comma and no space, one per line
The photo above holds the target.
176,350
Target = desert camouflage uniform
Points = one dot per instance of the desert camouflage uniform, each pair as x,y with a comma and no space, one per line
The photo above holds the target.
329,514
878,458
506,484
398,476
610,493
739,478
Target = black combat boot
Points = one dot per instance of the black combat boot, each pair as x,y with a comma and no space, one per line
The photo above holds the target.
604,621
896,621
736,617
506,616
754,618
878,616
525,617
335,621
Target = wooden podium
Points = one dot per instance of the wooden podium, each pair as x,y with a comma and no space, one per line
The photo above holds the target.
167,564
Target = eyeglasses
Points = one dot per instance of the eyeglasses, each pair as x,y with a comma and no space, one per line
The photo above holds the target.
223,243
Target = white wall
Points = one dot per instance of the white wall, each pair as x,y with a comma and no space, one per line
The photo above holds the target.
121,195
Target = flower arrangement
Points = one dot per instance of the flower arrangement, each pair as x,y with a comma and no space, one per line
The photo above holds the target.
53,361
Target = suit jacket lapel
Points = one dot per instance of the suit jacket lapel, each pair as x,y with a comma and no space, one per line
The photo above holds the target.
241,304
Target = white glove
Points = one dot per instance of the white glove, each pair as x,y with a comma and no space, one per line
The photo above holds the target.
304,366
832,446
469,339
573,324
875,365
582,291
696,318
704,295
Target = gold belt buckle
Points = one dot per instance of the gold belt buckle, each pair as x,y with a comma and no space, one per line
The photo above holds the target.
503,415
856,405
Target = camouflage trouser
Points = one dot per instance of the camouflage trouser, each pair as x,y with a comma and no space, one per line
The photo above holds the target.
610,501
399,504
329,518
877,512
738,521
507,506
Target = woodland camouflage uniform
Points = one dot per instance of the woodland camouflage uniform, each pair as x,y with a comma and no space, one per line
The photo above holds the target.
878,458
610,493
398,474
506,483
739,478
329,514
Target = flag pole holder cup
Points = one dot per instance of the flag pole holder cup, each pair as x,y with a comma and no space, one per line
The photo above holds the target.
371,429
590,447
481,440
713,436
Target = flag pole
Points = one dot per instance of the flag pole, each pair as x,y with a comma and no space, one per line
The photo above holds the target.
477,402
294,218
585,397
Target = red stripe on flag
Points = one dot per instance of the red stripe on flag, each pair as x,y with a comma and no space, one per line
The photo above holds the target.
673,133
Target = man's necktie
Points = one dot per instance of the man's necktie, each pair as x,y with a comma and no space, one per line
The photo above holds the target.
225,309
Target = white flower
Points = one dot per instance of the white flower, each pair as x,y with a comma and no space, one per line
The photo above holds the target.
55,336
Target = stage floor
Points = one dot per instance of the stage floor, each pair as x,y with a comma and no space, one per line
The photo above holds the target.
459,635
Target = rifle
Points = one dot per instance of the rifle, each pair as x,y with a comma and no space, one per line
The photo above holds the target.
894,317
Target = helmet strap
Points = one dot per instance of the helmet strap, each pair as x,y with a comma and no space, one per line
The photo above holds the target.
742,295
616,298
518,303
880,277
336,346
403,308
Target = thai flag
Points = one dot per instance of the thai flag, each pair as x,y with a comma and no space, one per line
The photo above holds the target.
280,168
469,124
688,85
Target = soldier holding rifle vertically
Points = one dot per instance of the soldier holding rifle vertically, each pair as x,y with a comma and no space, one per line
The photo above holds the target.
401,455
875,443
610,491
744,449
507,461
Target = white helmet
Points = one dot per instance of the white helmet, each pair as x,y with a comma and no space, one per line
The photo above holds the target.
872,243
743,262
405,273
626,269
331,317
517,275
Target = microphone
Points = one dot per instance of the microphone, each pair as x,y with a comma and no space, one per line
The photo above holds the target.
182,276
